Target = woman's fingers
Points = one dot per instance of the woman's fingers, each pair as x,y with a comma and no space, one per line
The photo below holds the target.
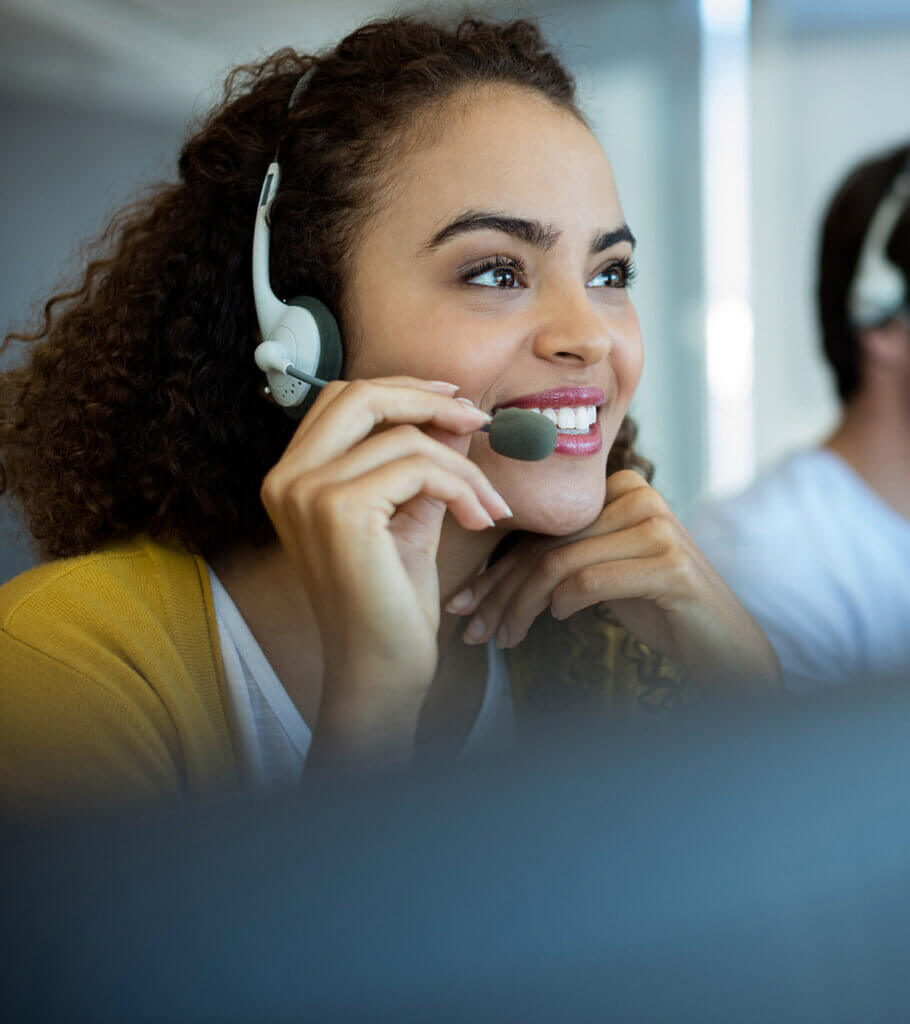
630,499
624,482
509,611
371,499
398,443
633,500
467,599
649,578
347,412
486,620
334,388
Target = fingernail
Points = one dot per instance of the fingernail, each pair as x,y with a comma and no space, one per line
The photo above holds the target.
502,638
475,632
485,416
461,602
506,511
444,384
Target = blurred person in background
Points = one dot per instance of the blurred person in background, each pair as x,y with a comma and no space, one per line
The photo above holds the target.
233,597
818,549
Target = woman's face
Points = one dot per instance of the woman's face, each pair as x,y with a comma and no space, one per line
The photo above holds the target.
498,262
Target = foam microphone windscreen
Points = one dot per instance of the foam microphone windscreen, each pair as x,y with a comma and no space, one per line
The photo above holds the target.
522,434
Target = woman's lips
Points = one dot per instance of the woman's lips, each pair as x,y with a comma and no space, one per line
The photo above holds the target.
579,444
588,443
555,398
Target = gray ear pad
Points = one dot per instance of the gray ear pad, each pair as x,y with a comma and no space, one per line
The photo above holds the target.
331,354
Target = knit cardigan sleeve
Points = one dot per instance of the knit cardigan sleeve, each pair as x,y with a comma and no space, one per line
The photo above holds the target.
111,688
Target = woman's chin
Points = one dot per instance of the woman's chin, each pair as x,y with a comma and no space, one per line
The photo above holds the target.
557,518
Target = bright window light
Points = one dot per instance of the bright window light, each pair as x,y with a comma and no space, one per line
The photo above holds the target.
726,204
724,15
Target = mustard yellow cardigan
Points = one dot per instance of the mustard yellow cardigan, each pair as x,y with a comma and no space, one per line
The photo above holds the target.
113,695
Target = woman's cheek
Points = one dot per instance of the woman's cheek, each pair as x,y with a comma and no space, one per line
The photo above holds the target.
627,359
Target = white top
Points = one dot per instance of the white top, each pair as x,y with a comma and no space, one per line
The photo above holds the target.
275,739
822,563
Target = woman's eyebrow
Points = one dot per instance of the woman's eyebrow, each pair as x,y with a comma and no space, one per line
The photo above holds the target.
532,231
541,236
605,239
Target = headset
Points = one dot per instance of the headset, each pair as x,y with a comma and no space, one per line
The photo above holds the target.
879,289
301,342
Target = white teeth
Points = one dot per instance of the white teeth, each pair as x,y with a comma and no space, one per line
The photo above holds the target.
575,418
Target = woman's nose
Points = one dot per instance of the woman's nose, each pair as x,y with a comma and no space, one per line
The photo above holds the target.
570,330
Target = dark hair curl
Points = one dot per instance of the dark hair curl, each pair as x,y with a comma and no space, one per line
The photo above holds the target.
139,408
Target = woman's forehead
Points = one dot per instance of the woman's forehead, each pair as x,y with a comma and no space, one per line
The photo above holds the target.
507,149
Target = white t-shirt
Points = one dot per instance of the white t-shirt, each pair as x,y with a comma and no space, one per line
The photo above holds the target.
822,563
274,737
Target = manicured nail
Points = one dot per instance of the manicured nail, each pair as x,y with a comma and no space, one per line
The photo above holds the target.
502,638
444,384
474,634
484,417
461,602
506,511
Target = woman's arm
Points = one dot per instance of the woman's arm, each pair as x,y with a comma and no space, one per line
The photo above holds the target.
359,512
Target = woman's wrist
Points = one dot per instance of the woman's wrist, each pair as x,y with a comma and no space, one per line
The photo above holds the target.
367,729
745,668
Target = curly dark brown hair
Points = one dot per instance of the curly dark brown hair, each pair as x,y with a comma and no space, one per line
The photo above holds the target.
138,409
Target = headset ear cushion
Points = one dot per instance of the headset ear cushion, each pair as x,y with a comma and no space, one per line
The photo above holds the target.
331,355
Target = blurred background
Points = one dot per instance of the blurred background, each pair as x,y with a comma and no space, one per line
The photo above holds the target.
728,125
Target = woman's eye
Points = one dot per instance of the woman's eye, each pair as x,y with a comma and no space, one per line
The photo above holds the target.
496,275
616,275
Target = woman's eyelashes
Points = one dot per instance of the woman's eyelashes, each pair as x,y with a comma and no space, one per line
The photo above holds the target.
507,273
501,272
616,274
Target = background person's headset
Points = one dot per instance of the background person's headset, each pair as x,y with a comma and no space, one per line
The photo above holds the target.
879,289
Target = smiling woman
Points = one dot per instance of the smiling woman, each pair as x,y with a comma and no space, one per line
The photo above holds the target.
235,598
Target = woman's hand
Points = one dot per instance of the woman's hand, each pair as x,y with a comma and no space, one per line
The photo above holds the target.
637,558
358,499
